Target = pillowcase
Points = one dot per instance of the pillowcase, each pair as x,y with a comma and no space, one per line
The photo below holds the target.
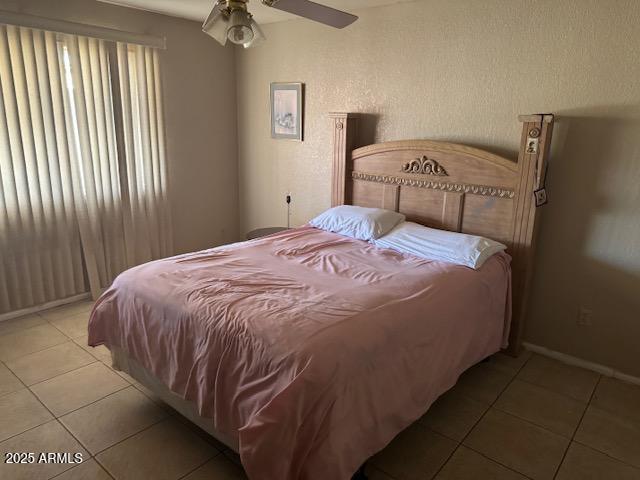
459,248
357,222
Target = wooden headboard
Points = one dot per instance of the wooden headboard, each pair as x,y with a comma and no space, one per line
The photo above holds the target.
452,187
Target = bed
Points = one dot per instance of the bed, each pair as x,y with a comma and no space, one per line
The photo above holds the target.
307,351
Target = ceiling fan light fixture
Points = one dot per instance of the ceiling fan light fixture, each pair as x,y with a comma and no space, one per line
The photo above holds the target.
217,24
230,20
240,29
258,35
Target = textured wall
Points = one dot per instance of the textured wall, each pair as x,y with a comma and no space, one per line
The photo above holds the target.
463,70
200,109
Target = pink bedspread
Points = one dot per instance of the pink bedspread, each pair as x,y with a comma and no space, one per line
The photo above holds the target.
313,350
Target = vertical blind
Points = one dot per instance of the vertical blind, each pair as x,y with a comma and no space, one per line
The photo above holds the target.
82,164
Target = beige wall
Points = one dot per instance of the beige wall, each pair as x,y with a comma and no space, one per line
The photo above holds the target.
463,70
200,109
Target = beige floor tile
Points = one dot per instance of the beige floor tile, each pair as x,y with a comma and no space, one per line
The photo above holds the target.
78,388
618,397
73,326
507,363
58,313
584,463
453,415
218,468
415,454
39,366
482,383
100,352
50,437
87,470
574,382
20,323
147,392
20,411
551,410
617,436
465,464
24,342
517,444
166,451
8,381
112,419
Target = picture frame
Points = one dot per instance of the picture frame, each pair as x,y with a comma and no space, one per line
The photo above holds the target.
287,110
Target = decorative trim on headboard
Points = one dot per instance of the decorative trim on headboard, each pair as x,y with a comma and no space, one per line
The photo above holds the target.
435,185
424,166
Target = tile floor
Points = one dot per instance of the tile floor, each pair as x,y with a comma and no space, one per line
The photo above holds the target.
508,418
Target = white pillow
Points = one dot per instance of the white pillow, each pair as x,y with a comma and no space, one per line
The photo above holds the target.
468,250
357,222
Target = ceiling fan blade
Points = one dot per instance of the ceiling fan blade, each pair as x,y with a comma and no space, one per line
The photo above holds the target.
216,24
258,35
314,11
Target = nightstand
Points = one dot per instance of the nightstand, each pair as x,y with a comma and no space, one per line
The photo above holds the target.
263,232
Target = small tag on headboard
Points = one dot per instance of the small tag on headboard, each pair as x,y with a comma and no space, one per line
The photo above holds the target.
541,196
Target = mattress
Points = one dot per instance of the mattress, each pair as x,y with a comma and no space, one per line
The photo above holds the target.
307,350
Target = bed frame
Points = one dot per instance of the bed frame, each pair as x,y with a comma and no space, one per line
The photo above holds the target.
452,187
439,184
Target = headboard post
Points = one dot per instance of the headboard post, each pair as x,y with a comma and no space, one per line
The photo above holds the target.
532,164
344,136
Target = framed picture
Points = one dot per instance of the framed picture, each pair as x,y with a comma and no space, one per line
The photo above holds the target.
286,110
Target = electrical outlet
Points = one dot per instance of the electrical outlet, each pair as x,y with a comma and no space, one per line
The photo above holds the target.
584,317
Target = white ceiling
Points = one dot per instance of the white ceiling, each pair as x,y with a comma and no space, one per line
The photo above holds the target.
199,9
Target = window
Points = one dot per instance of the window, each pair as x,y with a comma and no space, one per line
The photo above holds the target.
82,164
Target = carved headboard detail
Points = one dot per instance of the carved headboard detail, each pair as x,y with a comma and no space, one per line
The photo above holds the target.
453,187
425,166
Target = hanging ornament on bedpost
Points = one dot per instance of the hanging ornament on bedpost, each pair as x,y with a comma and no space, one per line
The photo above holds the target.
344,141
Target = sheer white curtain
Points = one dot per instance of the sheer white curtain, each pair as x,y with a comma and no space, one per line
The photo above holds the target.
82,164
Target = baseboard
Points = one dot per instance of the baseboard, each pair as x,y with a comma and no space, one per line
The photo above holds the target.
44,306
579,362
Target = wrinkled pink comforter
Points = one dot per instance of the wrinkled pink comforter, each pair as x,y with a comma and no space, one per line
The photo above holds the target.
313,350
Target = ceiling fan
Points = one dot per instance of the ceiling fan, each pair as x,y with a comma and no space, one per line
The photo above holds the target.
230,19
